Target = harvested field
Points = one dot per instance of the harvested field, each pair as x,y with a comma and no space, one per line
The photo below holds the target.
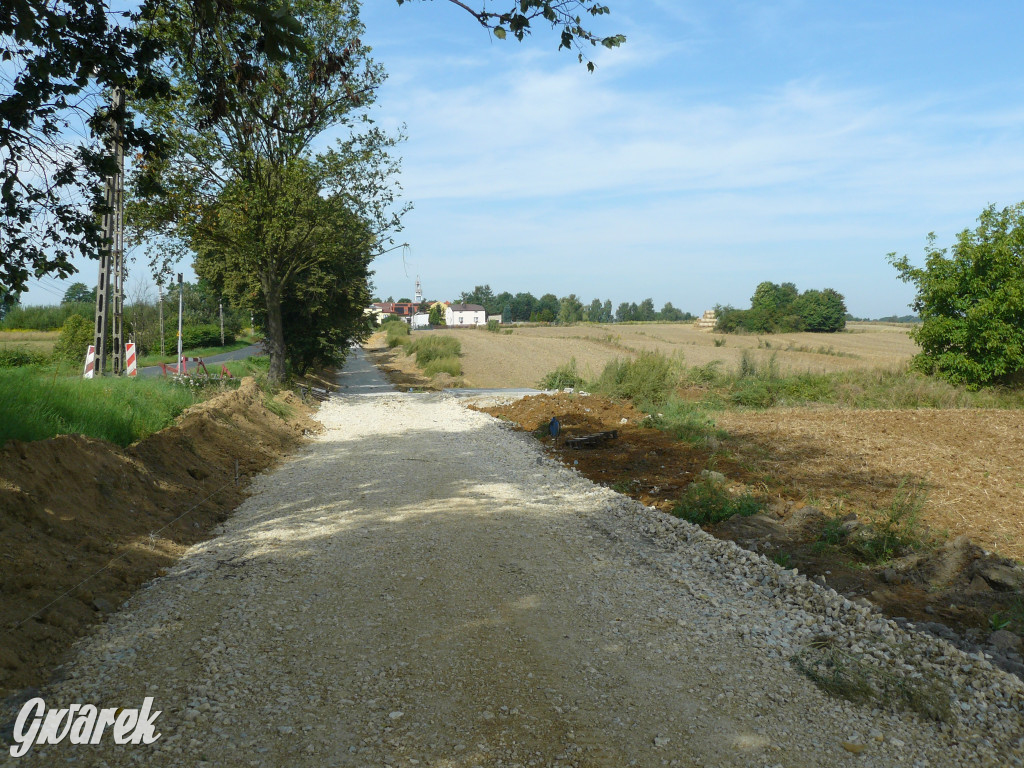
34,341
522,358
968,460
812,465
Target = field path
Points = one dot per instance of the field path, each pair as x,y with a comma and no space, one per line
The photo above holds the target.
419,586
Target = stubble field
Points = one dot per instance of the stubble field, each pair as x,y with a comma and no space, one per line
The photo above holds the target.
522,358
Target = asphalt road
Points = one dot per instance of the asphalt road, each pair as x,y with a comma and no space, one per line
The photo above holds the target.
253,350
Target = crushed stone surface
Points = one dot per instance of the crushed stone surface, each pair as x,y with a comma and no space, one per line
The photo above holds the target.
422,586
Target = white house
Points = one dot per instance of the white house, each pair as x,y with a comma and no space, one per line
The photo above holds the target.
464,314
421,320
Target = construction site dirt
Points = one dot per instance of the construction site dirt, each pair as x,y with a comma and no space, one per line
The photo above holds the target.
83,523
952,586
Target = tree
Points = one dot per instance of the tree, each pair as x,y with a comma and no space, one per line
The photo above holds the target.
523,305
549,304
821,311
78,292
247,160
570,309
606,311
623,314
8,300
971,301
672,314
645,311
61,58
563,15
481,295
593,314
437,314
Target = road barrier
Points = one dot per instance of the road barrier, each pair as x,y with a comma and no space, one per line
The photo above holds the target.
129,356
90,362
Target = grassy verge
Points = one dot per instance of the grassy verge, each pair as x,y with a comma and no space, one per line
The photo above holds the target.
35,406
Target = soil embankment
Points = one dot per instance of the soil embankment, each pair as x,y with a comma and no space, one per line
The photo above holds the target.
83,522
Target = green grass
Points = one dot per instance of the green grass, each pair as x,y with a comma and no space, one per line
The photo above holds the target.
433,347
707,502
449,364
396,332
686,421
648,380
896,530
35,406
857,678
563,376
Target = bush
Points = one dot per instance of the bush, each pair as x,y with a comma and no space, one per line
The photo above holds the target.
563,376
647,381
494,326
17,357
707,502
971,304
198,336
76,335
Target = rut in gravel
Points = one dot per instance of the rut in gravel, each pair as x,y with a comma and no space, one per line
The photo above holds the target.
421,587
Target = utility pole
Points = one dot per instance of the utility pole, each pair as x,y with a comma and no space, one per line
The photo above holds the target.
112,255
160,306
220,305
181,308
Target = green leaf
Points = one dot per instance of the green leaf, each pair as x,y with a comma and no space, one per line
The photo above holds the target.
499,32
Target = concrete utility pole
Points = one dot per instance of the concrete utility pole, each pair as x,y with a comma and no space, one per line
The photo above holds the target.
160,306
112,255
220,306
181,309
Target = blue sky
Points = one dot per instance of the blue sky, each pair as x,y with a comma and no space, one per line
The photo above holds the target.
725,144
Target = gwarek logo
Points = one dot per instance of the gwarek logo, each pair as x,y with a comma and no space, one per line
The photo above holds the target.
82,724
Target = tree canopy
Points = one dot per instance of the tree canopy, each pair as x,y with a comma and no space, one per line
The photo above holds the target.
971,301
782,308
238,184
60,60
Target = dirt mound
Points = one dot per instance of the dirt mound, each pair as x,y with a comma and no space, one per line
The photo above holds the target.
84,522
643,462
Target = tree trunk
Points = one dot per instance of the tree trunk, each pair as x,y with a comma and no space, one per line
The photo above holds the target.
275,334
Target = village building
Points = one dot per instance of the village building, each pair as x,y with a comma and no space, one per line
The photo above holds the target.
463,315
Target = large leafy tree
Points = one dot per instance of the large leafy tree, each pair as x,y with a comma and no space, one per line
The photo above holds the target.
306,228
60,58
971,301
245,158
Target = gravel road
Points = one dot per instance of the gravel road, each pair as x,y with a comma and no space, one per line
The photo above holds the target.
420,586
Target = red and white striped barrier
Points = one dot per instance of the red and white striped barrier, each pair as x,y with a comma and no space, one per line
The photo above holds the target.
182,368
90,363
129,359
